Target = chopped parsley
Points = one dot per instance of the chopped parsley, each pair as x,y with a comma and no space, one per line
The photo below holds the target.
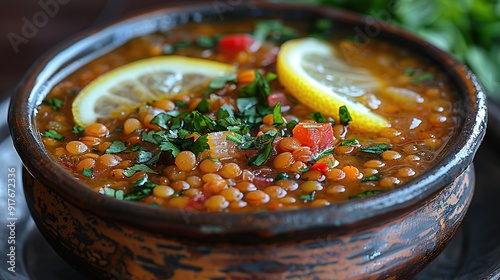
308,197
88,172
365,194
77,129
371,178
258,88
281,176
349,142
344,115
375,149
277,118
220,82
116,147
118,194
142,188
54,103
181,104
200,145
54,135
423,77
130,171
318,117
143,156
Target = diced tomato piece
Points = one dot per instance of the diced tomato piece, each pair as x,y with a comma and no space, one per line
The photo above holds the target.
317,136
232,44
321,167
276,97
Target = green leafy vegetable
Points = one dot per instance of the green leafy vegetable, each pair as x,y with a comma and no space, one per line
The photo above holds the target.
370,178
200,145
88,172
54,135
308,197
259,88
344,115
349,142
365,194
130,171
77,129
181,104
54,103
220,82
116,147
203,107
270,76
143,156
277,118
281,176
421,78
206,41
375,149
167,146
142,188
118,194
318,117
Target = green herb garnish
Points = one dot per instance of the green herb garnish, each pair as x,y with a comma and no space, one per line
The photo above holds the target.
349,142
277,118
54,103
118,194
281,176
309,197
116,147
130,171
371,178
344,115
88,172
421,78
143,156
375,149
220,82
142,188
77,129
318,117
365,194
54,135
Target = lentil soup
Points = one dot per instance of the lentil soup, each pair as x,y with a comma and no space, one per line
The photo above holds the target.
241,142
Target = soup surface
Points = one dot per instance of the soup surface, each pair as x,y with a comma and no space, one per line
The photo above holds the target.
240,140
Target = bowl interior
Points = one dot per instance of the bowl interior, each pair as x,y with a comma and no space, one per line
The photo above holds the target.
71,55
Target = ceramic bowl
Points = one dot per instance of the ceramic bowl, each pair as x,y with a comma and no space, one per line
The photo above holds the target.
394,234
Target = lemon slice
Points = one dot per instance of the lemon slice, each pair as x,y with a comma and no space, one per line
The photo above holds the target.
311,71
118,92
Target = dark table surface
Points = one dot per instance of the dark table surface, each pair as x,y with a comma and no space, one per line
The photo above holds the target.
474,253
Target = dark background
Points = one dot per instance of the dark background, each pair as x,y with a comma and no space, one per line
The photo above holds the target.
69,18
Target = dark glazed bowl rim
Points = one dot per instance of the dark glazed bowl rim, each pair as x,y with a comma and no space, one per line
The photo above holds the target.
78,50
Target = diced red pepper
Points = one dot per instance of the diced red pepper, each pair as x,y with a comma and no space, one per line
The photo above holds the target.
317,136
232,44
322,167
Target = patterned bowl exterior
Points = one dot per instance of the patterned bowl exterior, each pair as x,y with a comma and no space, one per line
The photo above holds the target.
394,246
